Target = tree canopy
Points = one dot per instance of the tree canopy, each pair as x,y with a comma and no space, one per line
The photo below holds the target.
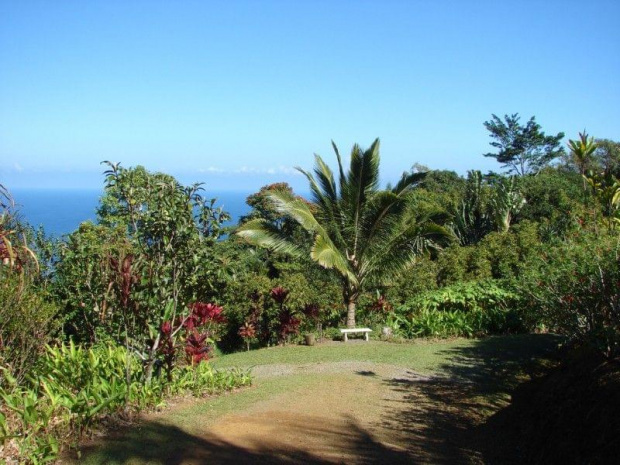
522,149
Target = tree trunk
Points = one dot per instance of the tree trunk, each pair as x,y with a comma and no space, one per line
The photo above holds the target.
351,314
150,364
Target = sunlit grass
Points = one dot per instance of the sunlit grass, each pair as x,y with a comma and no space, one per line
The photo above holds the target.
422,356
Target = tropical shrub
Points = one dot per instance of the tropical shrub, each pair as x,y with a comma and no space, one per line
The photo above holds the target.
463,309
27,323
497,256
554,200
149,258
75,388
574,287
421,276
28,315
85,281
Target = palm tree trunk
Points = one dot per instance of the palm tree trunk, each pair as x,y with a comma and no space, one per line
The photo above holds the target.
351,314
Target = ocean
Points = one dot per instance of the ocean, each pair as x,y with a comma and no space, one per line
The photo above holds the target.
60,211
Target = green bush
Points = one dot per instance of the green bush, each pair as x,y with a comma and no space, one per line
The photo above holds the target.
421,277
574,288
497,256
27,322
332,334
463,309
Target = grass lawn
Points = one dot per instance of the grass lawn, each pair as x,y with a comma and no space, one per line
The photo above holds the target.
423,356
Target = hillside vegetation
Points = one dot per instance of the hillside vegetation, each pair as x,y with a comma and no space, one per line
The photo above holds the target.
122,315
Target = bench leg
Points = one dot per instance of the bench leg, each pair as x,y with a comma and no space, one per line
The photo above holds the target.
366,334
345,337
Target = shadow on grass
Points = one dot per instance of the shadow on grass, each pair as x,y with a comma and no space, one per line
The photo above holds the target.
445,416
158,443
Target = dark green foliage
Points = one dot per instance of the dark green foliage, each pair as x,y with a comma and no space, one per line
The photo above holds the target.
143,265
574,286
438,191
607,156
28,314
522,149
84,281
443,182
605,190
497,256
489,203
28,321
508,253
420,277
555,200
472,218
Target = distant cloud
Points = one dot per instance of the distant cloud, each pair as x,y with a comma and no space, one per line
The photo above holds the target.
211,169
250,170
18,167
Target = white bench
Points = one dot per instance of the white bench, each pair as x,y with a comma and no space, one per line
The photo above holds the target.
355,330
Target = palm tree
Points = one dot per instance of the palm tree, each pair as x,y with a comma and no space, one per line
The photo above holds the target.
582,151
364,233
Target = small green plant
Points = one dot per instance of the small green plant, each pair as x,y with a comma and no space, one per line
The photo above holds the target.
332,334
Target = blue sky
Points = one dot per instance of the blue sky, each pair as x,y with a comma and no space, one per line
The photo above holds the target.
237,93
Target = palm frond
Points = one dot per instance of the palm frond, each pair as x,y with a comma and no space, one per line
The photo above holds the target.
381,216
363,175
297,209
318,196
328,256
342,178
408,181
391,257
325,177
263,234
362,181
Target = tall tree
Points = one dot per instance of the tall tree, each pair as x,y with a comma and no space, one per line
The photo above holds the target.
522,149
363,232
607,154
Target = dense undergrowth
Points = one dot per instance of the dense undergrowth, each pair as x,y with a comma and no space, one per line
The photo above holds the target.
74,389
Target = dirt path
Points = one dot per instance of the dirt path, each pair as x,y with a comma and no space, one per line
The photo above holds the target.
346,412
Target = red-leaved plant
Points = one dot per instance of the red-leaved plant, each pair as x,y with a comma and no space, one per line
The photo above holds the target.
279,294
197,348
289,324
381,304
247,331
206,317
200,326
